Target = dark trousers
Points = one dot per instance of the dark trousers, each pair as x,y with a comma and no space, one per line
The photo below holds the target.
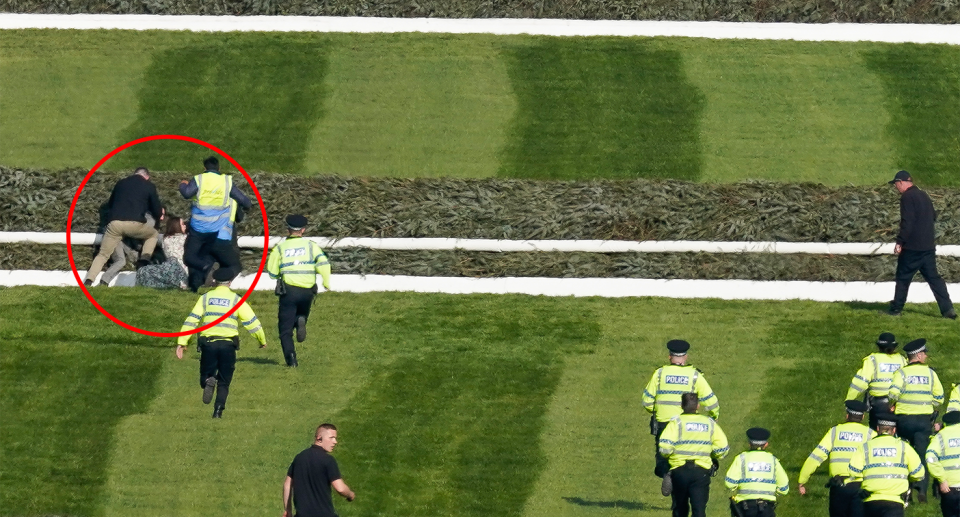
293,304
845,501
661,464
201,251
882,509
218,358
916,430
691,490
878,406
908,263
950,503
753,508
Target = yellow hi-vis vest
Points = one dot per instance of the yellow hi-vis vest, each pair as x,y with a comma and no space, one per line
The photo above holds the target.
886,465
299,261
916,389
943,455
875,375
692,437
757,475
954,404
216,303
839,445
211,209
662,394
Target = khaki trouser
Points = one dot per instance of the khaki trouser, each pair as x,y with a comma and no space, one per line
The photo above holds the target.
115,232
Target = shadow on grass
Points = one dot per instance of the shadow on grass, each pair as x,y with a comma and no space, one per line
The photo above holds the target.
619,503
257,360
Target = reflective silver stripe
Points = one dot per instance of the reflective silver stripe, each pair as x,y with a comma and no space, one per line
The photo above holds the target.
885,476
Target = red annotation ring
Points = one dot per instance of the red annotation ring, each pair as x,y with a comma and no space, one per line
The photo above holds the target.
263,212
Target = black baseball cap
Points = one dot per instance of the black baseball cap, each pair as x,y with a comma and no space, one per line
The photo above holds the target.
900,176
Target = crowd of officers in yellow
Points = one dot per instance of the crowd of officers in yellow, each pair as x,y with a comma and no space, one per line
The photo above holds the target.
873,470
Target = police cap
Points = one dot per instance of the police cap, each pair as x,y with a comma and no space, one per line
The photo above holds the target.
296,222
224,274
758,435
951,417
915,347
678,347
856,407
887,340
887,419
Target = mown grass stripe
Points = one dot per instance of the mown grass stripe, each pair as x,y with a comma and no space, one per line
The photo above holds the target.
602,107
922,86
255,97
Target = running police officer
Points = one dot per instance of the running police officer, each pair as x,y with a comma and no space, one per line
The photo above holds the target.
212,215
875,375
886,465
943,462
692,445
757,478
662,395
295,264
219,344
839,445
915,389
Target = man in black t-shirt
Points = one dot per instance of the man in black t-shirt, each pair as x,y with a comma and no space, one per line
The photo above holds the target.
915,247
310,477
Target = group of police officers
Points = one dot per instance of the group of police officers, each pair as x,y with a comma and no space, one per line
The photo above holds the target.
295,263
874,471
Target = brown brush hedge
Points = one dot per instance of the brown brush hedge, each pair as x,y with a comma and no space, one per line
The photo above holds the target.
805,11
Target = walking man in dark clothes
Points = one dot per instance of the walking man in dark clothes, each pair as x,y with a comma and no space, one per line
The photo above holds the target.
310,477
915,249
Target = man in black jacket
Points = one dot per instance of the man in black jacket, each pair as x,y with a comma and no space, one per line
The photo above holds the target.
915,247
132,198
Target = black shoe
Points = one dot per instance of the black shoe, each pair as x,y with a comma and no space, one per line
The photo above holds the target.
302,328
666,487
218,412
88,283
140,263
292,360
951,314
892,312
922,497
208,390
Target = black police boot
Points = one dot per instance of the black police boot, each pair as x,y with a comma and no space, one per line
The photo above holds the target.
951,314
88,282
208,388
301,328
292,360
217,411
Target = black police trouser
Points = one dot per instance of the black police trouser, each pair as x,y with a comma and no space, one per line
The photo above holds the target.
845,501
950,502
882,509
878,406
201,250
292,304
661,464
916,430
753,508
218,359
691,490
908,263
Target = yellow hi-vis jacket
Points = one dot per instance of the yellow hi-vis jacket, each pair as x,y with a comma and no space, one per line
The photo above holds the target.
211,210
943,455
662,394
216,303
693,437
839,445
299,261
756,475
886,465
916,389
875,375
954,404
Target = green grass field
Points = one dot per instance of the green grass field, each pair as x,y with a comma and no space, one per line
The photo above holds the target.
447,405
474,106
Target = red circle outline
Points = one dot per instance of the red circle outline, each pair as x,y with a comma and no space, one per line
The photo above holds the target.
263,212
